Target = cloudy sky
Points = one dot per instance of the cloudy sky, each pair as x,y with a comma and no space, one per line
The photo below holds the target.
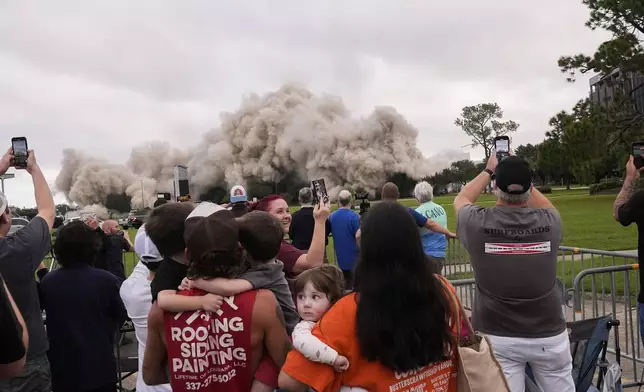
105,75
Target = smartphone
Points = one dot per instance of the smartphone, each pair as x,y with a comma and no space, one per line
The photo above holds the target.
502,147
319,191
20,151
638,154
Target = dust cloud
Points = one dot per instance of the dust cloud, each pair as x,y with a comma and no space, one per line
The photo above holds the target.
269,137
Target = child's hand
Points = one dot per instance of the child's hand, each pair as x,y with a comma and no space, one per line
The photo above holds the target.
211,302
186,284
198,284
341,364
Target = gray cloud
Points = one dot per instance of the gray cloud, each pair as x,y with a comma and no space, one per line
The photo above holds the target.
103,76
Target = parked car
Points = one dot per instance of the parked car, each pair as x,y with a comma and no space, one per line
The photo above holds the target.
137,218
18,223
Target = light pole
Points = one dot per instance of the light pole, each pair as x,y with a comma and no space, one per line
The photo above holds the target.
6,176
142,198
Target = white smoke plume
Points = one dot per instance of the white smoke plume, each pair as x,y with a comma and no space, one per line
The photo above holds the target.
100,211
287,131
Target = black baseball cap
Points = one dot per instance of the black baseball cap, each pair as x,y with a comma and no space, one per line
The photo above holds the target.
210,228
513,175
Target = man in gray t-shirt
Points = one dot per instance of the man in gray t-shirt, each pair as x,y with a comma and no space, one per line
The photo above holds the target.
513,251
20,256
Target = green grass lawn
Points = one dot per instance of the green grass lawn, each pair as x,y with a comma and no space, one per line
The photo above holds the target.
587,223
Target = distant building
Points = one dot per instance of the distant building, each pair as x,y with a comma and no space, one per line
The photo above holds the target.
603,89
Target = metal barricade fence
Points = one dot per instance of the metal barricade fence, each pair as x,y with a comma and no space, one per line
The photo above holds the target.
595,283
612,290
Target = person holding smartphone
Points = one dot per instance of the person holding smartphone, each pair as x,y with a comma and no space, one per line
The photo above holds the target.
628,208
20,256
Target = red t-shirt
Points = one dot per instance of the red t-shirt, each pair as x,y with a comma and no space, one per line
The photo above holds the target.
288,255
211,352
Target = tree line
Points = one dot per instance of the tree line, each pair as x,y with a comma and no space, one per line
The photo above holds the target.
591,141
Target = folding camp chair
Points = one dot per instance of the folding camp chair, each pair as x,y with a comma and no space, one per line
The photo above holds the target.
588,347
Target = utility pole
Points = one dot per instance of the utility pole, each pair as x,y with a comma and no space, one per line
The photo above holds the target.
142,198
6,176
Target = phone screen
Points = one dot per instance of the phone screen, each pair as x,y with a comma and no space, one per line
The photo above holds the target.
319,191
638,155
638,150
502,145
19,147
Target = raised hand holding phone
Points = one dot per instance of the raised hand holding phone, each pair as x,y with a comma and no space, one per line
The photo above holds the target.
502,147
20,152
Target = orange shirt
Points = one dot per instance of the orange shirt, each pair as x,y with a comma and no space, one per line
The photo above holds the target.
338,329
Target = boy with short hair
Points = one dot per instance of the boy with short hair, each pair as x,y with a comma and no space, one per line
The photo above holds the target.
260,234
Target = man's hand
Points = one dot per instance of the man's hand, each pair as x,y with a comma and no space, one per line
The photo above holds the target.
341,364
321,211
211,302
451,235
632,173
5,162
492,162
31,162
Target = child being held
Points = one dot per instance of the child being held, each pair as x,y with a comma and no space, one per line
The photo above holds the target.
316,291
260,234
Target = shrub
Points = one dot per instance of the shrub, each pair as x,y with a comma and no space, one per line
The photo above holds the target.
545,189
606,185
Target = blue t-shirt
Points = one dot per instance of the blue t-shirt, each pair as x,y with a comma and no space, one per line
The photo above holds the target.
433,243
421,221
344,226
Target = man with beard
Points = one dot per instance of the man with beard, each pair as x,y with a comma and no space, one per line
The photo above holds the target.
110,256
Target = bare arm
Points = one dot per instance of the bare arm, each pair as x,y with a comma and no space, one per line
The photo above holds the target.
538,200
290,384
44,199
629,187
437,228
471,191
276,340
12,369
223,287
315,255
155,358
170,301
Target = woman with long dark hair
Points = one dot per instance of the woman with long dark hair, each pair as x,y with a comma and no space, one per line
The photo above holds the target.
295,260
395,328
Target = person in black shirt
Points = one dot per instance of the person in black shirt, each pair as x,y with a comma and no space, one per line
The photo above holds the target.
165,228
302,223
627,209
14,338
110,253
84,309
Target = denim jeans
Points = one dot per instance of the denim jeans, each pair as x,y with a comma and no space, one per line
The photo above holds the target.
34,377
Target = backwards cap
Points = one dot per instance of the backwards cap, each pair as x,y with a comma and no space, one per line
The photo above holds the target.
513,175
210,228
145,248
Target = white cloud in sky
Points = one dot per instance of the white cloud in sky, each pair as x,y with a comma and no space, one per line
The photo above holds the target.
104,76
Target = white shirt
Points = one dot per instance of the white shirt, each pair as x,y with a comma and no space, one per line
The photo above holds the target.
137,297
